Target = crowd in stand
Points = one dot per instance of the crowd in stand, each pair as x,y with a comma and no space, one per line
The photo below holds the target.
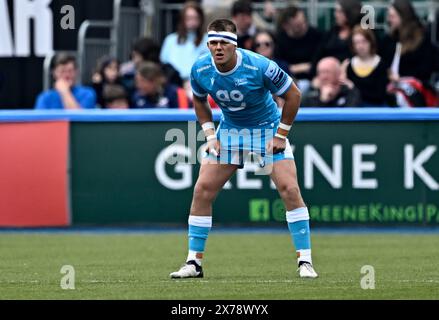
348,66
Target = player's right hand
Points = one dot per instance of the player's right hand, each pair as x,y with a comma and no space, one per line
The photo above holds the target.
213,147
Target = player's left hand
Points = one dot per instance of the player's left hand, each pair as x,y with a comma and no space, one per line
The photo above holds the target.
276,145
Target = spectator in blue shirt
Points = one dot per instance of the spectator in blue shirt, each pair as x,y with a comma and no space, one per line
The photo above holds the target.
66,94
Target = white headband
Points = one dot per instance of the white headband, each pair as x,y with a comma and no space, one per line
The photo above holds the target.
223,36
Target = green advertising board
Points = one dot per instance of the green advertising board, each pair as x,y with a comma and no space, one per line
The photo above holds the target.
350,172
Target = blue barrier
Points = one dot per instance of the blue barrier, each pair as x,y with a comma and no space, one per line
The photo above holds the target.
146,115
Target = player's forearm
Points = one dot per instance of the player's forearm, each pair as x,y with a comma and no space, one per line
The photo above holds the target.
204,114
289,111
292,103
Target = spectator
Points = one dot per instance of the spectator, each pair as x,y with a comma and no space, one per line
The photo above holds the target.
328,89
182,48
337,42
153,90
366,70
66,94
242,17
215,9
115,97
404,48
264,44
406,43
297,44
107,72
146,49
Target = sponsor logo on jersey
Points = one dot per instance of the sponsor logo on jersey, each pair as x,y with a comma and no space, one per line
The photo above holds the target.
240,82
203,68
251,67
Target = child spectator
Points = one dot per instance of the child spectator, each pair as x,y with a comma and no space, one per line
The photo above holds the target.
115,97
107,72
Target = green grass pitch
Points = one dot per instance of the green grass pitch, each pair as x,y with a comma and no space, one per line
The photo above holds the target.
236,266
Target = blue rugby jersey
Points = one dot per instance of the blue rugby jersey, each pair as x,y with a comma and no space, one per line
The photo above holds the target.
243,93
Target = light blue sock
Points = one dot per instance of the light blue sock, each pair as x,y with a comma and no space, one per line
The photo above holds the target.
199,227
298,224
197,238
300,234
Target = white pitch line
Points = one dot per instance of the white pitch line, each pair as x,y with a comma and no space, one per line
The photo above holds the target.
213,281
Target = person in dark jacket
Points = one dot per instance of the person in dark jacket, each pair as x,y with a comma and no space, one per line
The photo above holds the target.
408,53
366,70
336,42
153,91
328,90
407,44
297,41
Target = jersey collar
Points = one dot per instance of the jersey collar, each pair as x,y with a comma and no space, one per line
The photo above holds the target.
238,64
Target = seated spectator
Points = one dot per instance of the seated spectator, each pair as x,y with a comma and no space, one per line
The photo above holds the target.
407,51
328,90
115,97
264,44
245,28
336,43
366,70
107,72
182,48
153,90
66,94
297,43
146,49
215,9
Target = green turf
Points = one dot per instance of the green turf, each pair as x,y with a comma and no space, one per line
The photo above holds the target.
246,266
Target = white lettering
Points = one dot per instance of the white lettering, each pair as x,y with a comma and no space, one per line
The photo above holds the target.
359,166
312,158
412,165
40,13
6,45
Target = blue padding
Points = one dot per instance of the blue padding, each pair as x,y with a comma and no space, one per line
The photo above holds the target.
308,114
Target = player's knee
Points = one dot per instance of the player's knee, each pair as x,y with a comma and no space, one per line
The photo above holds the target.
204,191
290,191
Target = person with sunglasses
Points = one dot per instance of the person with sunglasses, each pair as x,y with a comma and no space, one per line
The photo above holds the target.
264,43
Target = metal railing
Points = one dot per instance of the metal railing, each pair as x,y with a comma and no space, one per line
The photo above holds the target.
91,49
131,23
128,24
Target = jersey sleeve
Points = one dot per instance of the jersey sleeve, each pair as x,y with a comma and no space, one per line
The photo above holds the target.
196,88
275,79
